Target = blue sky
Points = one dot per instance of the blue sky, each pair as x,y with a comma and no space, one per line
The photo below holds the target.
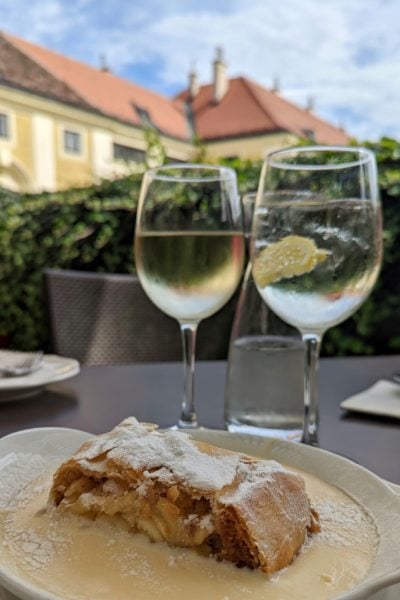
345,54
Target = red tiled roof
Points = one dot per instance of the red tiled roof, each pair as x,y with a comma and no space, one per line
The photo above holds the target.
106,92
248,109
18,70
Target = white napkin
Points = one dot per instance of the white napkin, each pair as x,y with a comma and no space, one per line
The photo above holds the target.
383,398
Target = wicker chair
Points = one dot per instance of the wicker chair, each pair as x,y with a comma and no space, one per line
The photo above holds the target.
101,318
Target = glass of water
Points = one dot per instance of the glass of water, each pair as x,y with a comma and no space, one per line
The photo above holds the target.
263,350
189,249
316,244
264,391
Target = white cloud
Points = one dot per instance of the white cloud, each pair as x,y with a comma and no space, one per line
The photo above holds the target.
344,54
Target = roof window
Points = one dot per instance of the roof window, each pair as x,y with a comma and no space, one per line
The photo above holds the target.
309,134
145,117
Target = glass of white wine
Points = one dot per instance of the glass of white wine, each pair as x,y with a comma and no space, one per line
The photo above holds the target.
316,244
189,250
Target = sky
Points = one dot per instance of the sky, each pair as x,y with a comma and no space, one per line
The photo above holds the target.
344,55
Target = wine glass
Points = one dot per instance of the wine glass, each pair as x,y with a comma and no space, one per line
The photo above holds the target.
189,249
316,244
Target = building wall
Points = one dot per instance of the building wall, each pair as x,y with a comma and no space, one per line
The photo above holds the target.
35,159
253,148
16,156
23,146
43,150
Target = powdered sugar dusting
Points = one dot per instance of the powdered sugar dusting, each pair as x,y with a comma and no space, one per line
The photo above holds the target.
252,475
17,471
169,456
34,549
342,522
23,478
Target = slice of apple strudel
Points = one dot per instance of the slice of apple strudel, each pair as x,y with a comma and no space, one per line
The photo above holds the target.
187,493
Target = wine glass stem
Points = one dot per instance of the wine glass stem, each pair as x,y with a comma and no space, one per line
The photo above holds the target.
188,418
311,405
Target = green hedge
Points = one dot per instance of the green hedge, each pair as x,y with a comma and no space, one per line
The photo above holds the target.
375,327
92,229
89,229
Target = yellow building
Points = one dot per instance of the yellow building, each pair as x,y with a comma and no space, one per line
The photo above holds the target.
65,124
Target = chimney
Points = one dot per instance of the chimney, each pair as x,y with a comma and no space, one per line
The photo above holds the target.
276,84
310,104
221,82
193,84
103,64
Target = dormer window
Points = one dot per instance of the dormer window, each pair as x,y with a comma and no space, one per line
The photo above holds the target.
4,126
72,142
309,134
145,117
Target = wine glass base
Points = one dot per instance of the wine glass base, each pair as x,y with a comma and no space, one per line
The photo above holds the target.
310,439
186,425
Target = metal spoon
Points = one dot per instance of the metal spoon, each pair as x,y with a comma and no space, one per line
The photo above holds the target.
25,367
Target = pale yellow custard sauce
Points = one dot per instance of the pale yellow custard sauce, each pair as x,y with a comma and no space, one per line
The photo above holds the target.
77,559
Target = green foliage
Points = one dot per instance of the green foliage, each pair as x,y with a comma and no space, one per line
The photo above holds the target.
155,153
92,229
88,229
375,327
247,171
200,150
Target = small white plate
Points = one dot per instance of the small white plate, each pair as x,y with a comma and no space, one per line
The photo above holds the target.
54,368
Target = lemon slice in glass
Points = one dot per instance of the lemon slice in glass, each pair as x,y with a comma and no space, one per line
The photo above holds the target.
292,255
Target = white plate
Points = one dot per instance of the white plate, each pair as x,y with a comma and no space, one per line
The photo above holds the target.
382,501
54,368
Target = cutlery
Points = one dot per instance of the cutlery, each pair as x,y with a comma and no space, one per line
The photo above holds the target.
26,366
396,377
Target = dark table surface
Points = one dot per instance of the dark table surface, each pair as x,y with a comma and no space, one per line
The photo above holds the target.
100,397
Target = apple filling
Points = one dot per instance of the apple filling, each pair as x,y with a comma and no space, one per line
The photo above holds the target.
163,513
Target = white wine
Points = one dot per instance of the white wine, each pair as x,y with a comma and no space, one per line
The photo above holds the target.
336,286
189,275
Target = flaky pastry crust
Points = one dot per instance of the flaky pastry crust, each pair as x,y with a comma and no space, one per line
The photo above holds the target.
224,504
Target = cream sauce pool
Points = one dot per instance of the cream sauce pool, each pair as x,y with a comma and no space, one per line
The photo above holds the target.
77,559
